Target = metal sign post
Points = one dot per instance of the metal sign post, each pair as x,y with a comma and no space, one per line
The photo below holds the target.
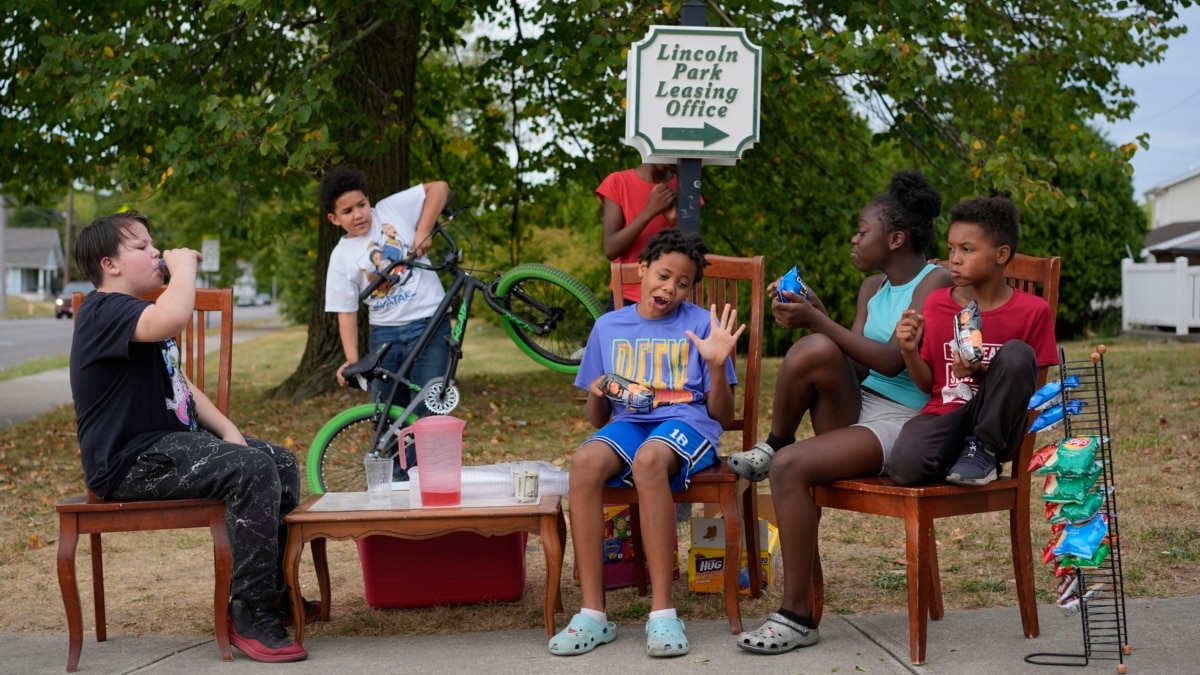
693,98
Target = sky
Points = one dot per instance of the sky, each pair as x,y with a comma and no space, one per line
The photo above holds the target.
1168,98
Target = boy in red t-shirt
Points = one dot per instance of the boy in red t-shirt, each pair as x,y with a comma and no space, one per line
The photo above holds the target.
976,415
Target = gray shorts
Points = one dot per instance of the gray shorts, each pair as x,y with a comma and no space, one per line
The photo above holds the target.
883,417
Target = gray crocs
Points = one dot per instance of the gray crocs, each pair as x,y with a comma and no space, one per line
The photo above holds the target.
778,635
581,636
753,464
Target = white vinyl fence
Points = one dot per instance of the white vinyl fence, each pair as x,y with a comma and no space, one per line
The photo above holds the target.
1160,294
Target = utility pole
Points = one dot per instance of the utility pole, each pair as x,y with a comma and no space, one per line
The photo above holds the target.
3,260
69,244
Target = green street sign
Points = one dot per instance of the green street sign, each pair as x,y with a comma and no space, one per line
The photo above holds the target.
693,92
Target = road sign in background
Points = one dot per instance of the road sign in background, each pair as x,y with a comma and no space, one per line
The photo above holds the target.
211,250
693,92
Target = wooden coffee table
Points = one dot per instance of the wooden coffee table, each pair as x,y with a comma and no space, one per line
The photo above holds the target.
354,515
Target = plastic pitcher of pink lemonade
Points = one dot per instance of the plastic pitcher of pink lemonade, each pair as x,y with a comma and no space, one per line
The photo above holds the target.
439,455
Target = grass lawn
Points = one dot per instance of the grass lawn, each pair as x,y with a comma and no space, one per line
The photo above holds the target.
161,582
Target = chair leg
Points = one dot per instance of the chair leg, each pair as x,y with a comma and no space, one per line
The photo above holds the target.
733,557
918,540
1018,524
223,574
937,608
98,586
68,540
753,545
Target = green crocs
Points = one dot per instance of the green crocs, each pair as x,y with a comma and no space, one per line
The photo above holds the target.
581,636
665,637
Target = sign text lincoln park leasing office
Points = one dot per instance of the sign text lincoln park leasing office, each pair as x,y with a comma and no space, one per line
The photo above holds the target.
693,92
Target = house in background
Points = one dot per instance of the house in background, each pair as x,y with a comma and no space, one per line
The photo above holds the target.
33,261
1175,230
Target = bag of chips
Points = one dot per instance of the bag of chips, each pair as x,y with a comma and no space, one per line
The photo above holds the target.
1053,416
1091,562
1072,456
1074,513
1082,540
633,395
1051,393
792,282
1071,489
968,333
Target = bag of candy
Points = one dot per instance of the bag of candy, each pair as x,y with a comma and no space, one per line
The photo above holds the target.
1072,457
968,333
1071,489
792,282
1052,417
1057,512
1051,393
633,395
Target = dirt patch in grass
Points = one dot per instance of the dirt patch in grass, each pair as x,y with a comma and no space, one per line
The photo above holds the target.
161,582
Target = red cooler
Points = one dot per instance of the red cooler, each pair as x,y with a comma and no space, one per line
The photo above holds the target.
460,568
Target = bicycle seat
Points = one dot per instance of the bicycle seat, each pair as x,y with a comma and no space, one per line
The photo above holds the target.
366,365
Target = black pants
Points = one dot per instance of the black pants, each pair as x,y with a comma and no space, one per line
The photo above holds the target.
929,445
259,485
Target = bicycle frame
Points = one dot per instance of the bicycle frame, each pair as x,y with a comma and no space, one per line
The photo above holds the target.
465,285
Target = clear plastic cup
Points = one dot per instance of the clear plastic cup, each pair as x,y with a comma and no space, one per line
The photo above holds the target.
379,475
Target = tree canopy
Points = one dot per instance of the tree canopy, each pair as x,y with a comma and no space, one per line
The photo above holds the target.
521,108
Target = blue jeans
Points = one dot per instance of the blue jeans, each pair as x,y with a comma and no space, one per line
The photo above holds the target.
430,364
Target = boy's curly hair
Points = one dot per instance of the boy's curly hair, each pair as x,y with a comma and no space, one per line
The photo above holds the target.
338,181
677,241
996,216
911,203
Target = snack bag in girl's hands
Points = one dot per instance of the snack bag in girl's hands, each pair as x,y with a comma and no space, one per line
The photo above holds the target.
792,282
968,334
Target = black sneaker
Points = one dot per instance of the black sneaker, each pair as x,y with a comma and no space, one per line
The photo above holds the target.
261,635
975,466
283,608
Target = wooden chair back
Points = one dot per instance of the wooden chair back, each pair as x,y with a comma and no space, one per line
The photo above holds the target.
920,505
741,283
88,514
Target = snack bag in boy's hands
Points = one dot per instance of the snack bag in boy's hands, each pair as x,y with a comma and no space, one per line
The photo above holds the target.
968,336
792,282
633,395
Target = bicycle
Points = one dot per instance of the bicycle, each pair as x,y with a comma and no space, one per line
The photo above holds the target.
547,312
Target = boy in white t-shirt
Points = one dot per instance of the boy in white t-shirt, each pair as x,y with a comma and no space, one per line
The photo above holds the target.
392,229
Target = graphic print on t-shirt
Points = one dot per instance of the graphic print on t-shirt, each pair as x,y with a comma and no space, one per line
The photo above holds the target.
660,364
181,401
375,260
956,390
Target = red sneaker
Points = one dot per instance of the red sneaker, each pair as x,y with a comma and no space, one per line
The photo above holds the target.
261,635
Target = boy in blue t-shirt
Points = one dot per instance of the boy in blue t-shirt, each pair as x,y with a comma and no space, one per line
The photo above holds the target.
671,362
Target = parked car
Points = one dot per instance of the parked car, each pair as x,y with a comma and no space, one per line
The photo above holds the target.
262,299
62,304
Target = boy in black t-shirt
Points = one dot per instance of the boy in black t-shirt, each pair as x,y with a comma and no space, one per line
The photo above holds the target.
146,433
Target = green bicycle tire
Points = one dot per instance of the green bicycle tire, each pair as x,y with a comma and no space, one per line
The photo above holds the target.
335,458
562,349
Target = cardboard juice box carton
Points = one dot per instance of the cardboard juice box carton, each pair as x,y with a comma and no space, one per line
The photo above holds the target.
619,570
706,560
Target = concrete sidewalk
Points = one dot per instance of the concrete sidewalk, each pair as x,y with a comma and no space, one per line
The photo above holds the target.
966,641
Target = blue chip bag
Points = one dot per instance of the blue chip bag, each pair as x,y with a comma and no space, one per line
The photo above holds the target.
1051,393
1082,540
792,282
1052,417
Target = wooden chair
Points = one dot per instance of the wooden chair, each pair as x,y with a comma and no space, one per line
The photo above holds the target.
718,484
919,506
88,514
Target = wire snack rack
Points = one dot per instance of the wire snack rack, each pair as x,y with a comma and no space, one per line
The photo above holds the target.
1101,589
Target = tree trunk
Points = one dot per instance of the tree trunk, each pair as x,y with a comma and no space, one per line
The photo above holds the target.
373,135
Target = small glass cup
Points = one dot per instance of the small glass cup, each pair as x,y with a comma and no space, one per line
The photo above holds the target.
525,486
379,475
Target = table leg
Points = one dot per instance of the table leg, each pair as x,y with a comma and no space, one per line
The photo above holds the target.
291,576
553,532
321,564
